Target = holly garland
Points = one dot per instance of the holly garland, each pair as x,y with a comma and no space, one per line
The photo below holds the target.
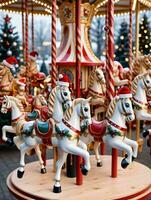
113,132
64,132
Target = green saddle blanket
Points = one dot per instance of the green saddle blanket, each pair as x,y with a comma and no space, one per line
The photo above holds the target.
33,115
42,127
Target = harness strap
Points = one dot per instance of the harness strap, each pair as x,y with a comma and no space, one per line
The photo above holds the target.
140,102
16,119
71,127
117,126
100,94
4,85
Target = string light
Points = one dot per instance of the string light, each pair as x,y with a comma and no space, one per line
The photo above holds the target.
122,37
8,3
146,3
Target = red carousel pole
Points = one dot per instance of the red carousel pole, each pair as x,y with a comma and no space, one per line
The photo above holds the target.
53,51
32,27
79,178
26,31
110,81
54,69
23,29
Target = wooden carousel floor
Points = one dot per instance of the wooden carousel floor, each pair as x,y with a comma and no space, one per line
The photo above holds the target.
132,183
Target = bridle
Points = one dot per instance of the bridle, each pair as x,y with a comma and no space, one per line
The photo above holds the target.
123,107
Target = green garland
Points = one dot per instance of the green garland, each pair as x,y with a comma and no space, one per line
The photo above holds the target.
113,132
64,132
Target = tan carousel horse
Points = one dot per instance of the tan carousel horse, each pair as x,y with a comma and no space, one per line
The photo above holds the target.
97,90
40,109
6,79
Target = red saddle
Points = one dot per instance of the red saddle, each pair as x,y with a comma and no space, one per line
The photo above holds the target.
97,129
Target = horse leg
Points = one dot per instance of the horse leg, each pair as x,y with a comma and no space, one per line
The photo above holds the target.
134,145
23,149
118,143
73,149
59,164
97,155
38,152
4,137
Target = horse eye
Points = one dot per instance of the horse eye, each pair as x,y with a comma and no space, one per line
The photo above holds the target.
86,109
147,81
65,93
127,105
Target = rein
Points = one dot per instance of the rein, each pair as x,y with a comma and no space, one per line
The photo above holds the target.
16,119
71,127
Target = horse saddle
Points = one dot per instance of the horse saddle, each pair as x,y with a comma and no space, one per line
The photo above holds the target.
32,116
97,129
44,131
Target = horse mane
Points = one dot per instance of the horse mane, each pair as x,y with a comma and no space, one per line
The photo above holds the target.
141,64
69,111
135,82
111,107
17,102
91,79
51,100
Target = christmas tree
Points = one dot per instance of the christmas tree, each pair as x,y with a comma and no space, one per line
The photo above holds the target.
9,41
97,36
122,45
144,36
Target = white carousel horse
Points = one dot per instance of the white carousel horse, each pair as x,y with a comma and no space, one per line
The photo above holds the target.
39,109
59,96
141,86
119,112
68,131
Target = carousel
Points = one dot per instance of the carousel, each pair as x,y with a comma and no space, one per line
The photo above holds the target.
83,101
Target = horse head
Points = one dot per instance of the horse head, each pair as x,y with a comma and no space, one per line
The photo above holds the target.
64,96
125,108
99,75
85,113
146,81
6,105
40,100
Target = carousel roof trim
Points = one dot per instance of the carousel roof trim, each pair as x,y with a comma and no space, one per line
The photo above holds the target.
43,7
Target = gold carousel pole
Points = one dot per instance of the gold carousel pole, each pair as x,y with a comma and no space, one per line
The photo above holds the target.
137,28
138,139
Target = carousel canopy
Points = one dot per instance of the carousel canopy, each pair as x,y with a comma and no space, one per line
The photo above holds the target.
44,6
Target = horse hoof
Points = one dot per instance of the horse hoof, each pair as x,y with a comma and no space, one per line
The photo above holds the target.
84,170
56,189
124,163
20,174
145,133
9,142
99,164
133,158
43,171
148,143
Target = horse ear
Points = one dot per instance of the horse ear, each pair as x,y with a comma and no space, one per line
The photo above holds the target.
89,99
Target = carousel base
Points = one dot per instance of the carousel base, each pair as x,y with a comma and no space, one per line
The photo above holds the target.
131,183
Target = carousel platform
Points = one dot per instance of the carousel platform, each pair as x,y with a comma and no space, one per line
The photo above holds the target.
131,183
